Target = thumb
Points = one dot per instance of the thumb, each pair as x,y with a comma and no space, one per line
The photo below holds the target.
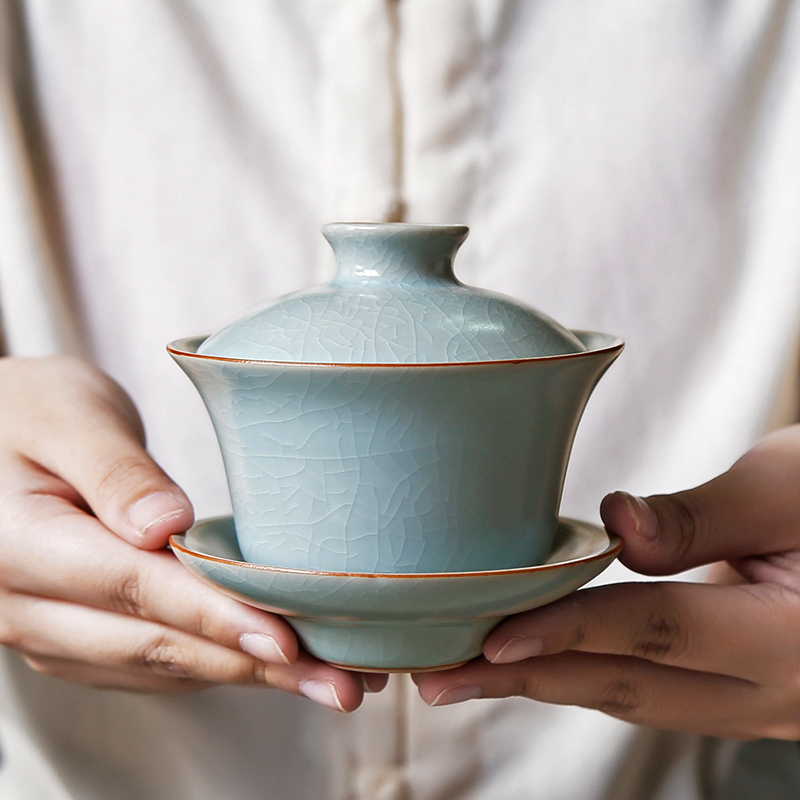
753,509
89,435
128,492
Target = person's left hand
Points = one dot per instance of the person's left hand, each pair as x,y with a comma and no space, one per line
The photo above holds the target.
718,658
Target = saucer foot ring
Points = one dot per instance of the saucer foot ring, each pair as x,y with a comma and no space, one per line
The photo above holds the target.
414,670
394,646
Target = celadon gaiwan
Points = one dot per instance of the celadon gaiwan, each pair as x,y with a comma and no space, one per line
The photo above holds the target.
395,420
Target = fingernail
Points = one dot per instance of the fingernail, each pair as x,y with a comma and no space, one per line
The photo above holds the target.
323,693
153,509
374,682
457,694
263,647
644,518
518,649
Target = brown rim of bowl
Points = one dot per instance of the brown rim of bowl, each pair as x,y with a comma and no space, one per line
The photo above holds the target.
613,549
177,347
417,226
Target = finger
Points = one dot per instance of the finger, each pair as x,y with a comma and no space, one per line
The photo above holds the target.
139,651
85,430
61,630
678,624
148,681
107,678
82,562
779,569
632,689
752,509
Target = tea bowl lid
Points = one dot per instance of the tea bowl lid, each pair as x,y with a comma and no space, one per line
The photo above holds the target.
393,300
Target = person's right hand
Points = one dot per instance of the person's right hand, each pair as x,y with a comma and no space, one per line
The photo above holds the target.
87,592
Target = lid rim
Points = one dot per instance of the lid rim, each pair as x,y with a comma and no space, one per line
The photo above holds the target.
177,348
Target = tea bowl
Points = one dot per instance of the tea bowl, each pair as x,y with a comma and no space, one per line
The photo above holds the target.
393,622
401,468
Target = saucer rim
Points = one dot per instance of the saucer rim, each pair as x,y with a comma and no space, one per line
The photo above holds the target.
613,549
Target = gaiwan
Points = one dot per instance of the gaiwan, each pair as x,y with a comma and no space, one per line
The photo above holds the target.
395,420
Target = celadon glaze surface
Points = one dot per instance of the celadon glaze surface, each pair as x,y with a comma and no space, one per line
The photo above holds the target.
394,300
395,622
397,469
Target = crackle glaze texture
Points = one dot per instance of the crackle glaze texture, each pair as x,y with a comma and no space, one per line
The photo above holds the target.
397,469
397,623
394,300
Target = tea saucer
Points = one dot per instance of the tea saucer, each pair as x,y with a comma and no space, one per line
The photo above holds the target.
395,622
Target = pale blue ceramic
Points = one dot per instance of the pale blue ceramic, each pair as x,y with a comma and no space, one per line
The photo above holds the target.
397,469
394,300
448,461
396,623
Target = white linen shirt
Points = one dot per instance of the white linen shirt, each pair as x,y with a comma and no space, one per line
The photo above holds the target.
627,167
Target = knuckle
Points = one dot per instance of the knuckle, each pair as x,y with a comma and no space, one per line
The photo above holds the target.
254,673
581,614
125,595
128,472
525,686
620,697
688,520
242,669
214,629
161,656
210,623
207,627
578,636
663,634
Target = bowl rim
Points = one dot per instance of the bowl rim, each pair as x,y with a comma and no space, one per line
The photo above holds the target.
186,347
452,227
